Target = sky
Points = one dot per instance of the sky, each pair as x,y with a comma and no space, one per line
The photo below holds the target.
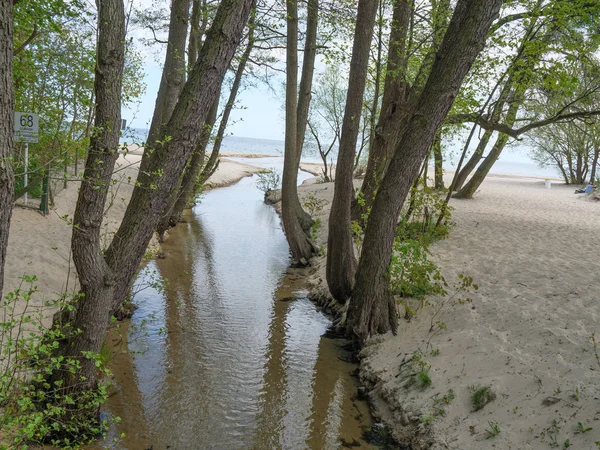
261,118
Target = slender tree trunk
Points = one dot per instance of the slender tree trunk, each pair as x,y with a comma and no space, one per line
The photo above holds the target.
95,277
377,82
592,173
166,162
439,160
300,245
341,263
304,98
394,107
7,108
173,76
373,308
194,39
471,164
473,184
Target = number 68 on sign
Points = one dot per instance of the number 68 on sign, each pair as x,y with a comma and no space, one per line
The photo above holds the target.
26,127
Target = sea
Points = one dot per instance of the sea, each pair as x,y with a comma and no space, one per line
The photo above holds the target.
515,159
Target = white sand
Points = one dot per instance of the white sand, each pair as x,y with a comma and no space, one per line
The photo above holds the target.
40,245
535,255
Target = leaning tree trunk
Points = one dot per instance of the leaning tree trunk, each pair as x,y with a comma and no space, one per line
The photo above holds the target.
471,164
373,308
438,160
393,109
173,76
167,160
213,161
96,278
180,198
304,90
341,263
7,108
300,245
473,184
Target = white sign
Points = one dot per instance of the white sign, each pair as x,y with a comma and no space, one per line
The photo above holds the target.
26,127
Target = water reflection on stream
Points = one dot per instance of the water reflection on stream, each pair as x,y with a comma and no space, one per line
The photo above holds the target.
231,354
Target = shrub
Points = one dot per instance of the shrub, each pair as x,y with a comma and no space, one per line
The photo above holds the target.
268,180
36,407
482,395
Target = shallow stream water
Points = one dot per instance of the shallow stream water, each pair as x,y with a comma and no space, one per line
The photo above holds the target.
225,350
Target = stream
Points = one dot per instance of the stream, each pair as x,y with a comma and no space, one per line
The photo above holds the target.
225,350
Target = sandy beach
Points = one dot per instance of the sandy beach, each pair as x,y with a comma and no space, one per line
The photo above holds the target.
527,333
41,245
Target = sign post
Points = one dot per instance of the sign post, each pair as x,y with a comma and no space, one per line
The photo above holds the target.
26,131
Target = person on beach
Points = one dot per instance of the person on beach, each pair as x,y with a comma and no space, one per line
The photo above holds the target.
587,190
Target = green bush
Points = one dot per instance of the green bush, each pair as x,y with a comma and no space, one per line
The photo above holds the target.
36,407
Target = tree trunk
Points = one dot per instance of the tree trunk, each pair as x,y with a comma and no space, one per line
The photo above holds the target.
173,76
471,164
300,246
179,200
7,109
166,162
393,108
473,184
439,160
373,308
194,39
212,163
592,173
96,278
305,88
341,263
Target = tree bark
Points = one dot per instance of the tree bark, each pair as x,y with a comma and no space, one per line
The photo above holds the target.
194,39
341,262
300,245
179,200
373,308
213,161
173,75
7,109
439,161
304,98
166,162
471,164
473,184
96,278
393,108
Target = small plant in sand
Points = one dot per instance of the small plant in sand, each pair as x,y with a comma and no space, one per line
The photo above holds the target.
313,204
575,395
581,428
493,430
481,396
314,229
439,405
416,370
268,180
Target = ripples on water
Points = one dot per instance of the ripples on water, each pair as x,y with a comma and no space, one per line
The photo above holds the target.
231,354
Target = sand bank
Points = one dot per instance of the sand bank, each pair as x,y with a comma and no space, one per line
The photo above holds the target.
41,245
527,334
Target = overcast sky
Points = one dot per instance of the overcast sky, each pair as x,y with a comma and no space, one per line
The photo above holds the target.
262,116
